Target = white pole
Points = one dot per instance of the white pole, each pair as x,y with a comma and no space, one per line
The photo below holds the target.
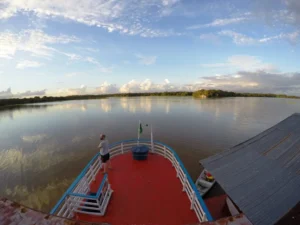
139,130
138,142
152,147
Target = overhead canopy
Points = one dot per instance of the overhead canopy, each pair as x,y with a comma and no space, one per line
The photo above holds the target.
262,175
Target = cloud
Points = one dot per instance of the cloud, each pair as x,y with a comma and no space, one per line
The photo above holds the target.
287,14
35,42
107,88
241,39
255,81
8,94
34,138
243,62
218,23
146,60
72,56
293,11
28,64
127,17
82,90
30,94
100,67
292,38
147,85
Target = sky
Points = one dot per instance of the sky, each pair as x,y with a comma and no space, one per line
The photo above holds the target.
69,47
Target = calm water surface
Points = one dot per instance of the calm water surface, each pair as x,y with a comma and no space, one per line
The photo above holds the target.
43,147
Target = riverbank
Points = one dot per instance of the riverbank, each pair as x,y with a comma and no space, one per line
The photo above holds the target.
22,101
220,93
197,94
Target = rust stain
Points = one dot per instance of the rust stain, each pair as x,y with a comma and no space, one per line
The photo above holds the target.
231,219
23,210
15,205
274,146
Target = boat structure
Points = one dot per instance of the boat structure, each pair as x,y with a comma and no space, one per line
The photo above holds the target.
148,184
205,182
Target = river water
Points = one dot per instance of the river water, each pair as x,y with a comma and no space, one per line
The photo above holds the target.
43,147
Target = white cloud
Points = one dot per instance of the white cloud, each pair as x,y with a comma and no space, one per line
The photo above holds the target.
147,85
34,138
287,14
243,62
146,60
127,16
107,88
82,90
293,37
8,94
218,23
241,39
100,67
72,56
28,64
238,38
35,42
255,81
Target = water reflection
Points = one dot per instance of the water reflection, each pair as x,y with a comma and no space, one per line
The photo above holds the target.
12,111
105,105
137,104
43,147
34,138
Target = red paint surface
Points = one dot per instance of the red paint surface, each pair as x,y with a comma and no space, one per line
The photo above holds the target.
217,207
145,192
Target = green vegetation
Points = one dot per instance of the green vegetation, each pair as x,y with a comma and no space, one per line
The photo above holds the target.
219,93
197,94
20,101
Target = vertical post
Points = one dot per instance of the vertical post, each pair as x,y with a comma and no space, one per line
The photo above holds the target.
177,169
122,148
184,183
92,172
152,142
100,163
139,130
193,200
100,208
204,217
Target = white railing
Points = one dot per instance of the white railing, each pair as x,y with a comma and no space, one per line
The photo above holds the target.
77,197
68,204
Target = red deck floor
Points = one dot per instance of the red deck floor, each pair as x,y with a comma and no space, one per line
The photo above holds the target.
145,192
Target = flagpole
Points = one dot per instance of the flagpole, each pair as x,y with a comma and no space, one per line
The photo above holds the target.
152,147
139,130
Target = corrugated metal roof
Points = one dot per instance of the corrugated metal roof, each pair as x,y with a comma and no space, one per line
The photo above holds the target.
261,175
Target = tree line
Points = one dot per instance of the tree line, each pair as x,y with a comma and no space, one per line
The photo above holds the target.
203,93
19,101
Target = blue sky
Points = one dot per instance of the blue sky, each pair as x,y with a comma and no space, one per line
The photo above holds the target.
55,47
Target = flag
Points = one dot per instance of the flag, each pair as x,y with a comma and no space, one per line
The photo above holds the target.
140,129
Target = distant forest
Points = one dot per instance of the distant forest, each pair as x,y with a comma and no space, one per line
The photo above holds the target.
197,94
219,93
19,101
